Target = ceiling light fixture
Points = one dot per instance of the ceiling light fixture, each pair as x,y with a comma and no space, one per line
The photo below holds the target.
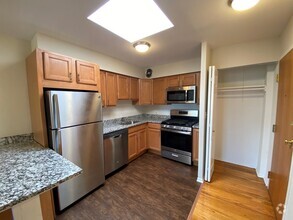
241,5
131,19
142,46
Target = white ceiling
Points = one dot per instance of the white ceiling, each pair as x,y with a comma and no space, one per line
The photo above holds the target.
194,20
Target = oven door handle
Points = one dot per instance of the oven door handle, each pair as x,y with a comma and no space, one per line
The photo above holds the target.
175,131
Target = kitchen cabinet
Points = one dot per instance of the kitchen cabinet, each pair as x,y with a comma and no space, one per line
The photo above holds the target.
173,81
86,73
123,87
134,89
154,136
145,91
159,91
187,79
137,141
103,87
63,72
195,133
111,89
57,67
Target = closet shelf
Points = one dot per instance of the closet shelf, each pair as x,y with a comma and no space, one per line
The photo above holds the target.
242,88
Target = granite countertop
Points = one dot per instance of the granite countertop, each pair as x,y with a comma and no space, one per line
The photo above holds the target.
28,169
114,124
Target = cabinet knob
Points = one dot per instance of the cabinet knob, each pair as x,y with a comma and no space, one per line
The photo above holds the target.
70,76
78,77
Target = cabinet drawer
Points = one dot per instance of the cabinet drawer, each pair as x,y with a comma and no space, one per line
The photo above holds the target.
154,125
136,128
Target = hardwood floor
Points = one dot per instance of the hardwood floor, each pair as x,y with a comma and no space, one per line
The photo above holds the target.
150,187
234,193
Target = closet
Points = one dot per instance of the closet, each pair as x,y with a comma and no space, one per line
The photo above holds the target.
240,114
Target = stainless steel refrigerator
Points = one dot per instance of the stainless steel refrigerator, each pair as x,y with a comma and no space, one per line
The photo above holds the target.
75,130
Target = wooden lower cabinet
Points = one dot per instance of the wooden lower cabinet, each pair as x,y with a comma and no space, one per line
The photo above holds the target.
154,136
137,141
195,133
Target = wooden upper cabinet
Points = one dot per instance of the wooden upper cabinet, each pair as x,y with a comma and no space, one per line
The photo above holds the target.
145,91
103,86
173,81
57,67
134,89
111,89
123,87
86,73
159,91
187,79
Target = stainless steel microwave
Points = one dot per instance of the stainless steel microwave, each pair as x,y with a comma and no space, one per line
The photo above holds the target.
181,95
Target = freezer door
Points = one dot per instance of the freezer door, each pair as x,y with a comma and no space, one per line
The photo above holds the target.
82,145
70,108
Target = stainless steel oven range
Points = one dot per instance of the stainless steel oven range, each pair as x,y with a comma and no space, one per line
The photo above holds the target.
176,135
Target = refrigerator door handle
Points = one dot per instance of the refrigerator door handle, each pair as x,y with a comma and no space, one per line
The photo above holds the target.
56,113
57,143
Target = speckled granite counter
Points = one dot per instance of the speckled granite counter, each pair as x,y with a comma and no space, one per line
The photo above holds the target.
28,169
114,124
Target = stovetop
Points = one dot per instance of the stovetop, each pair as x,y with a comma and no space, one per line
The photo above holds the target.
181,122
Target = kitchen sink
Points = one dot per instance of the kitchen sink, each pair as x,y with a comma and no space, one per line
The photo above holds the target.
130,122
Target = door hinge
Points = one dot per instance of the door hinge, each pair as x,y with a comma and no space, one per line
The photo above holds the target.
269,174
277,77
274,128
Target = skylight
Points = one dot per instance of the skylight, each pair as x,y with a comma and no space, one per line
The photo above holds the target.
131,19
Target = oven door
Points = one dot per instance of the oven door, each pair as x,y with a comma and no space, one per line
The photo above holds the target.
176,141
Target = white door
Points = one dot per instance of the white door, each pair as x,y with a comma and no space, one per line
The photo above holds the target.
210,133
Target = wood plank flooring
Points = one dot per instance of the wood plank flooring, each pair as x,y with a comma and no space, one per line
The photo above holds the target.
151,187
234,193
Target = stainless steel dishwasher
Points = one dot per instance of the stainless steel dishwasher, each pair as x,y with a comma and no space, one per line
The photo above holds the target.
115,150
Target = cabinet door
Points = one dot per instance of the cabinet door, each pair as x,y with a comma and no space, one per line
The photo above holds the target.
197,83
145,91
173,81
86,73
134,89
159,91
111,89
123,87
187,79
132,145
195,133
154,139
103,87
142,145
57,67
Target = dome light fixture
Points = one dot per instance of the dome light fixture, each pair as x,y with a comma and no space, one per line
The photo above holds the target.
142,46
242,5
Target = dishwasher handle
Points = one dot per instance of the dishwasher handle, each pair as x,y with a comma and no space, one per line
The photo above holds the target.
118,136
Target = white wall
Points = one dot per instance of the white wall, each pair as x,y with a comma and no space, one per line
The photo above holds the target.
165,109
266,148
185,66
65,48
244,54
240,116
14,102
287,38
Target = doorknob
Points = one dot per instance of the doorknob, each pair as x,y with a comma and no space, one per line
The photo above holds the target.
289,142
